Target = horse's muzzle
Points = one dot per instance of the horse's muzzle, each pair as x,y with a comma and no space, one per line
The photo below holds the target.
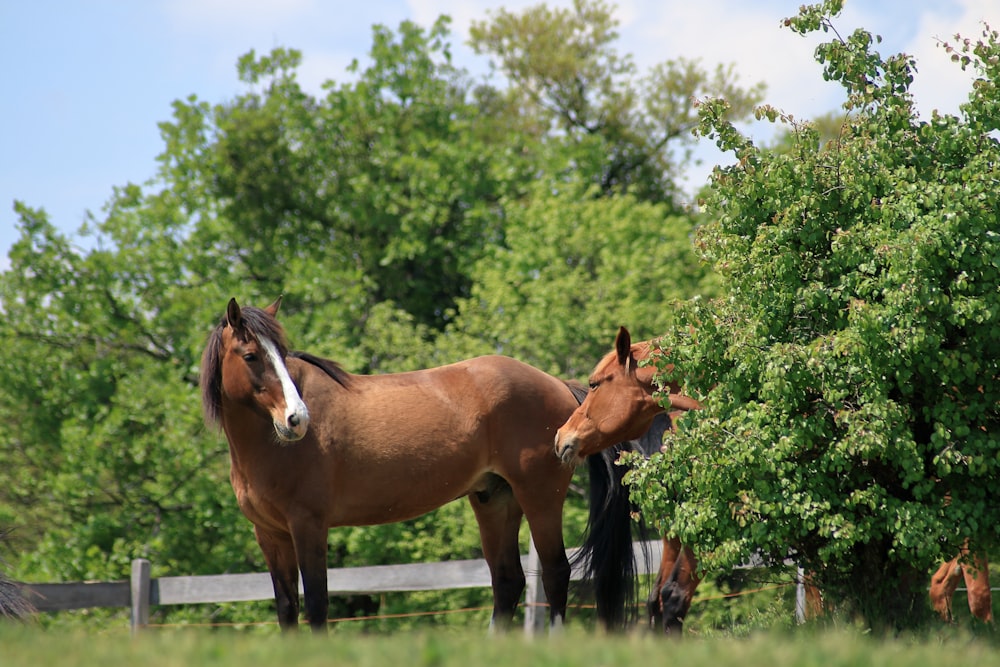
294,427
566,449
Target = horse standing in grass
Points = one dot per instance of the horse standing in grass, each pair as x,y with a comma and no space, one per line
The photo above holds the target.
621,405
314,447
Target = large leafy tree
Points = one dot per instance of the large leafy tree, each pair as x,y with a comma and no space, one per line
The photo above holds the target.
621,131
850,378
573,269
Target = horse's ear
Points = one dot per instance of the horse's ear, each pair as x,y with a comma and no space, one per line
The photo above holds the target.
234,317
272,310
623,346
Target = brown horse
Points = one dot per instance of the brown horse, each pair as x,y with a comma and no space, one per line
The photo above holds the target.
314,447
621,404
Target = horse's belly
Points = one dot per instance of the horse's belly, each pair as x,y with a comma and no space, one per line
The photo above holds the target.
362,500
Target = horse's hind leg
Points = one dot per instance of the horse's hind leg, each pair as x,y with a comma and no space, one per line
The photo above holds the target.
977,580
943,585
499,518
279,554
546,533
654,607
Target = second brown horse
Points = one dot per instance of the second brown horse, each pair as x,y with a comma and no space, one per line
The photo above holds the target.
621,406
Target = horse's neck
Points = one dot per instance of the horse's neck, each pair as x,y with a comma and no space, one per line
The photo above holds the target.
247,432
646,373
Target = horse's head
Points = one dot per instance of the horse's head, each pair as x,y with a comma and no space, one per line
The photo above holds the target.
245,363
619,406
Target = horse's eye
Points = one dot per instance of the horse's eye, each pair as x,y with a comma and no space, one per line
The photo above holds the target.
249,357
594,385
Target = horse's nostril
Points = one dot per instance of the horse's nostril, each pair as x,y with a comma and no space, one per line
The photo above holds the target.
293,420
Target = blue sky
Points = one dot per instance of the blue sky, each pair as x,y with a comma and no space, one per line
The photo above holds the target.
85,83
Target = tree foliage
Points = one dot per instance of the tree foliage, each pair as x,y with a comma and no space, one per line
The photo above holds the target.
624,132
850,377
575,263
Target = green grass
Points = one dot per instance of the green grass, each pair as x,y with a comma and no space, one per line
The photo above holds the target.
33,646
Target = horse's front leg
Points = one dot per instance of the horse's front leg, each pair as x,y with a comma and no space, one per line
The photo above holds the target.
311,551
279,554
677,585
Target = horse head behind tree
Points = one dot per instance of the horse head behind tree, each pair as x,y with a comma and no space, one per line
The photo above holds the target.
621,403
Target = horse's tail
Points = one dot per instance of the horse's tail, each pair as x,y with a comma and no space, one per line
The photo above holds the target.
13,604
606,556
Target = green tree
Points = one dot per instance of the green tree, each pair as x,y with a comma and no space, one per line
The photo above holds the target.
104,450
621,131
387,181
850,378
574,268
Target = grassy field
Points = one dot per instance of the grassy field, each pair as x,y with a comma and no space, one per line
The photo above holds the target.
576,647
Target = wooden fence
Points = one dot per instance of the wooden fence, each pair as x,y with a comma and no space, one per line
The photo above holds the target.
141,591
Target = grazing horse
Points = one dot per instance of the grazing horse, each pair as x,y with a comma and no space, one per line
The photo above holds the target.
621,405
974,569
313,447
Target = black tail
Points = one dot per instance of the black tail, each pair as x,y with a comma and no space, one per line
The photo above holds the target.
607,557
12,602
13,605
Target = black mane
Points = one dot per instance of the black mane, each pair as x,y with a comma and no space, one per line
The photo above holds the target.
331,368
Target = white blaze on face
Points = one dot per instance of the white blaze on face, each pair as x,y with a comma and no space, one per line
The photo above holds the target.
296,418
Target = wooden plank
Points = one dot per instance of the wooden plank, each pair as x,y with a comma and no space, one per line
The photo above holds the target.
77,595
341,581
409,577
211,588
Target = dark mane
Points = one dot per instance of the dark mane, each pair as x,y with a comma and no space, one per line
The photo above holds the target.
255,323
579,391
331,368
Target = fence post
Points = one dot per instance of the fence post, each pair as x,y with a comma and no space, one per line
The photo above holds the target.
800,596
534,597
141,588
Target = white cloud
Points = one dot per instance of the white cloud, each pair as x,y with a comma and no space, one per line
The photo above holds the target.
939,83
463,12
748,35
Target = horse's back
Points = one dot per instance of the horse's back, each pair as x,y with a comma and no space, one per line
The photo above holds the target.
423,438
507,384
